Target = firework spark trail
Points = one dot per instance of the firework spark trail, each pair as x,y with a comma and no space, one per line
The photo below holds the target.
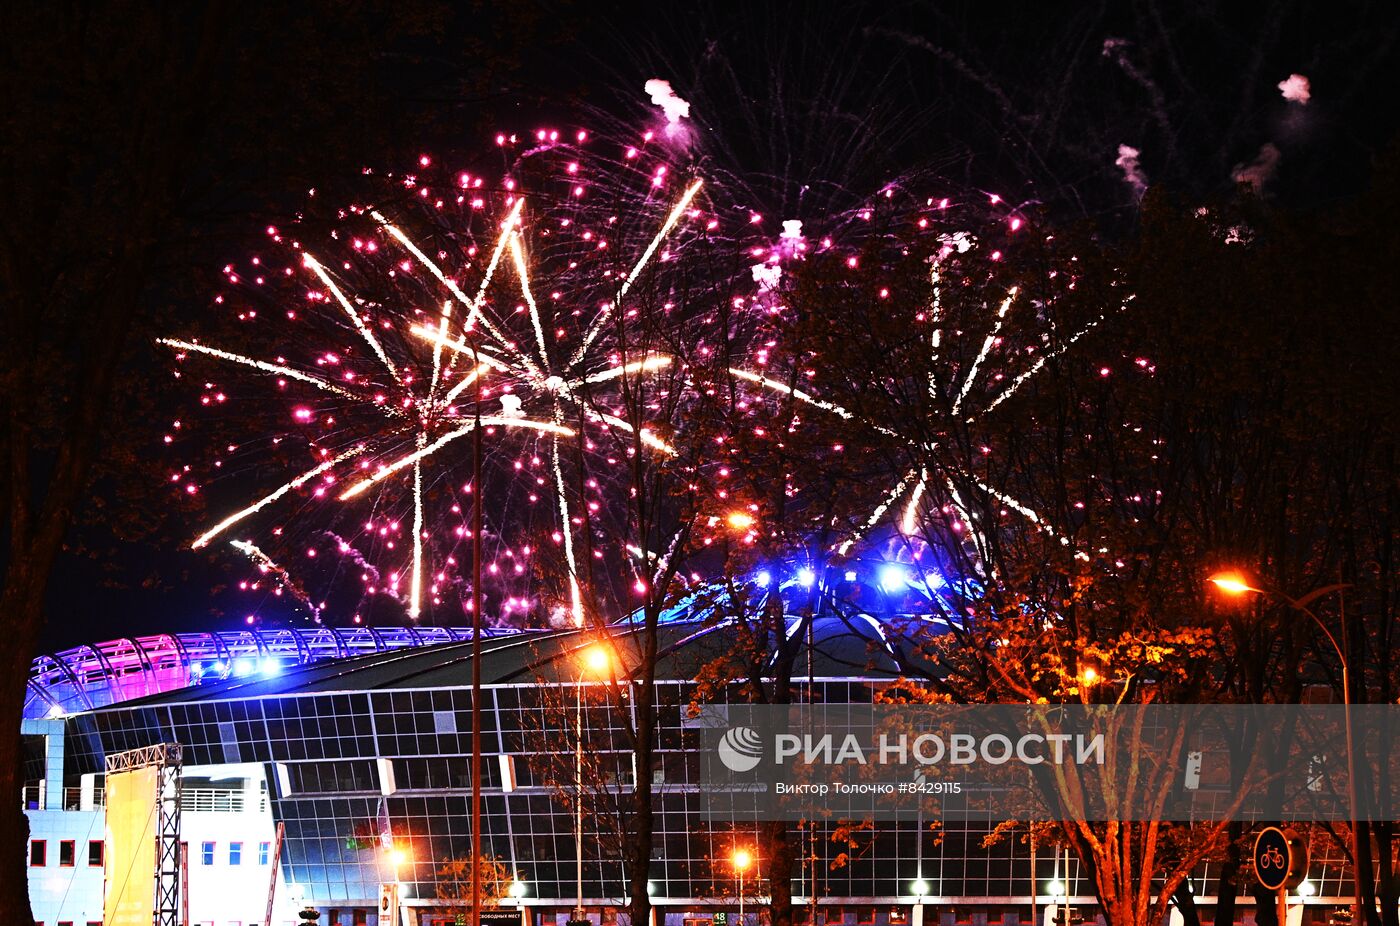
360,325
204,538
1035,367
935,339
473,305
647,437
427,450
987,344
279,369
415,587
909,522
267,564
890,498
596,328
438,336
646,365
517,254
575,593
798,394
1028,513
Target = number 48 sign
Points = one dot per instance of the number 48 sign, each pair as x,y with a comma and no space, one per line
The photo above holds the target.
1280,858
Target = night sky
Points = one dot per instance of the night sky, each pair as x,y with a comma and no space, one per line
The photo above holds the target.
819,104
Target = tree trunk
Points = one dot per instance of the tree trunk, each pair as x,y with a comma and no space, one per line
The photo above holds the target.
1228,884
639,841
22,596
781,857
1186,902
1388,886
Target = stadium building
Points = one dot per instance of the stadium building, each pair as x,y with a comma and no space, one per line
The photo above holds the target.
355,744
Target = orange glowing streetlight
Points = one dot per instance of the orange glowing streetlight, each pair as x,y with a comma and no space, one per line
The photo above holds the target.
741,859
1089,675
597,659
1232,583
1236,584
740,520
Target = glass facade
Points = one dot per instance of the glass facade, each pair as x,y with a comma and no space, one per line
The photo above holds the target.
353,772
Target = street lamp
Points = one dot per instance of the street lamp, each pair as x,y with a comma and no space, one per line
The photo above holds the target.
596,660
1236,584
742,859
740,520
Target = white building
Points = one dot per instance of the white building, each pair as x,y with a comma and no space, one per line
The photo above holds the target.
227,833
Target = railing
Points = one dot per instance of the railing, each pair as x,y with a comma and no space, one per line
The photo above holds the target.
32,797
211,800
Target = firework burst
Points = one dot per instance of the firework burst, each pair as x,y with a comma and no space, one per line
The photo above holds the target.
971,347
423,317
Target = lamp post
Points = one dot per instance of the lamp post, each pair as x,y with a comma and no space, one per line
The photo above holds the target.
742,859
919,888
595,660
1235,584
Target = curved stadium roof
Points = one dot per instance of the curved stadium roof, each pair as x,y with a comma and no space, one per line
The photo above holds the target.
847,642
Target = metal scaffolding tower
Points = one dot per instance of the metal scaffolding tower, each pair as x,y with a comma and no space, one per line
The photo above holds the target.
166,759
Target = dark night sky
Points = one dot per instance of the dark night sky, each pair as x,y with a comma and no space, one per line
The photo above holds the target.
1029,99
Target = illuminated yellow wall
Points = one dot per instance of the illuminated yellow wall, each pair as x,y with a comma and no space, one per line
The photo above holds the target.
131,848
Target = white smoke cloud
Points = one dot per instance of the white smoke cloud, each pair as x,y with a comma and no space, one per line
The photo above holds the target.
673,106
767,276
1132,172
961,242
1260,171
1296,89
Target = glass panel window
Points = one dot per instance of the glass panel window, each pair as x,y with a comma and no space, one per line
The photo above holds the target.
38,853
264,850
235,853
67,852
206,853
96,853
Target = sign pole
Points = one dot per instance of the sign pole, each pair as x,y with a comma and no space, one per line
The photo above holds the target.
1280,862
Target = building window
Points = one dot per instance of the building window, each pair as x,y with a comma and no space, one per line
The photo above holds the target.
38,853
361,917
206,853
65,923
264,849
67,852
235,855
95,853
865,916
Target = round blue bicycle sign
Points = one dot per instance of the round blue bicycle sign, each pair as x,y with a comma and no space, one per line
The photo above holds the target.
1280,858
